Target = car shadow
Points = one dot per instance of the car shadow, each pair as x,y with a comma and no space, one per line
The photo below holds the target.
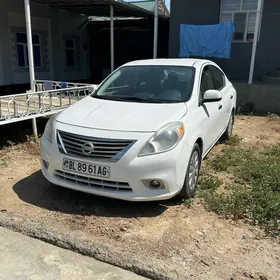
36,190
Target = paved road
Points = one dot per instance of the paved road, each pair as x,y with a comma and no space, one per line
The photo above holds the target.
25,258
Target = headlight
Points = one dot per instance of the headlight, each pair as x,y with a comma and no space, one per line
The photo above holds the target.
164,140
49,128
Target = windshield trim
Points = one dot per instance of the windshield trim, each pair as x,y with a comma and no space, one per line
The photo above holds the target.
192,68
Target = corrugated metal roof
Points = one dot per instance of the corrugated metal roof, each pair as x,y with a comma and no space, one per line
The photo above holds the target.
150,6
97,7
147,5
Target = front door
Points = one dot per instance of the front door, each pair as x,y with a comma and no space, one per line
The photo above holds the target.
220,84
211,111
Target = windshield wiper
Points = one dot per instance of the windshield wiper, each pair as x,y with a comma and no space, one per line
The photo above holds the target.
109,97
141,99
129,98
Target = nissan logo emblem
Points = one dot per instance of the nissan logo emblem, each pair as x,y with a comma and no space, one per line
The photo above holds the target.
87,148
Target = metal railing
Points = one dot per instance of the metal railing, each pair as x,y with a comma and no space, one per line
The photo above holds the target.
43,85
32,105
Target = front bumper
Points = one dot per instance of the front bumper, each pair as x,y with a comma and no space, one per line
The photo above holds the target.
169,167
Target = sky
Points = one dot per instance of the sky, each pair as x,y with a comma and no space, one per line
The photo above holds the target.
167,3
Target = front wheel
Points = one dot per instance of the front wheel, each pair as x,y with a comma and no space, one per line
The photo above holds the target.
190,184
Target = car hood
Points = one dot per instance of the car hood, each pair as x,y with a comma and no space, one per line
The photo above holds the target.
121,116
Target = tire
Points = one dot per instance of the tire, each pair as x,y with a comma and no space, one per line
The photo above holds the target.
190,186
228,133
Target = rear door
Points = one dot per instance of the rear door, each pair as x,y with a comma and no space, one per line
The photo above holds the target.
220,84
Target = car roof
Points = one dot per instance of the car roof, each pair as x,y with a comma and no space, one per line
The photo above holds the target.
169,61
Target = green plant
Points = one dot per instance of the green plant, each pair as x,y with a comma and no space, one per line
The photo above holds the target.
233,204
32,138
209,183
255,195
3,163
188,202
235,140
246,109
10,143
272,116
230,157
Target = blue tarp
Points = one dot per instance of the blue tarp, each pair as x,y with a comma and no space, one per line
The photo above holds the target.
206,40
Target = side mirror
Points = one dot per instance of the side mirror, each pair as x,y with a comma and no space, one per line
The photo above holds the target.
91,88
212,95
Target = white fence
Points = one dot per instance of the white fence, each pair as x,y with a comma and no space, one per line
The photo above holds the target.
50,98
44,85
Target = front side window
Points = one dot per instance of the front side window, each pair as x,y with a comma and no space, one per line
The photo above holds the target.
22,50
206,82
154,84
243,13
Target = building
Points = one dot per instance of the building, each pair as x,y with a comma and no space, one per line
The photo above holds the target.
60,44
133,40
150,6
243,13
61,39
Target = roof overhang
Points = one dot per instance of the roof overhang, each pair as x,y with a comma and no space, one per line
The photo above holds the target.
99,8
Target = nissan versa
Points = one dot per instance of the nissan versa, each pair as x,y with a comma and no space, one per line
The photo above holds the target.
142,134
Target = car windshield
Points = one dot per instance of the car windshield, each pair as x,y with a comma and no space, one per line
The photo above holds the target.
151,84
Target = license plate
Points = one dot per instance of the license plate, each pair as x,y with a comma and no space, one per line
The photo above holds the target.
86,168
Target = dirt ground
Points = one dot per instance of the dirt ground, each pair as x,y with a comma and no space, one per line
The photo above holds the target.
205,245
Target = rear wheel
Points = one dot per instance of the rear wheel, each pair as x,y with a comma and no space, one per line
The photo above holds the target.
228,133
190,184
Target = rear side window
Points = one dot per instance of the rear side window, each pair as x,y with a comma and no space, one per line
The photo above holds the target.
218,78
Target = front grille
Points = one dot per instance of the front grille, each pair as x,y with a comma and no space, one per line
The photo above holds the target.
91,147
84,181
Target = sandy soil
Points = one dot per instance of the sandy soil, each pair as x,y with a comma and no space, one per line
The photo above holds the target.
205,245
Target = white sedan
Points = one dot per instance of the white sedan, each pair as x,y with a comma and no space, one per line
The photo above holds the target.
142,134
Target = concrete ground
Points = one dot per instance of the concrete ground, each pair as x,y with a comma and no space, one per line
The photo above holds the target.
25,258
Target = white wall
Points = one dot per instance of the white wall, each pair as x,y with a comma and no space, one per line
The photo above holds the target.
52,24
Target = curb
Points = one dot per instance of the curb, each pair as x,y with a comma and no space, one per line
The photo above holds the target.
78,242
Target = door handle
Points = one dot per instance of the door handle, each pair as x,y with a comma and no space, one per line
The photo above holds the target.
220,106
231,96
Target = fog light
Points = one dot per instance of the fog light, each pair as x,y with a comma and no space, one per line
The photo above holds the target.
45,164
154,184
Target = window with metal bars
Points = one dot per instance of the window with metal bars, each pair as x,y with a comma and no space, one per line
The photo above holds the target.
22,50
243,13
71,52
